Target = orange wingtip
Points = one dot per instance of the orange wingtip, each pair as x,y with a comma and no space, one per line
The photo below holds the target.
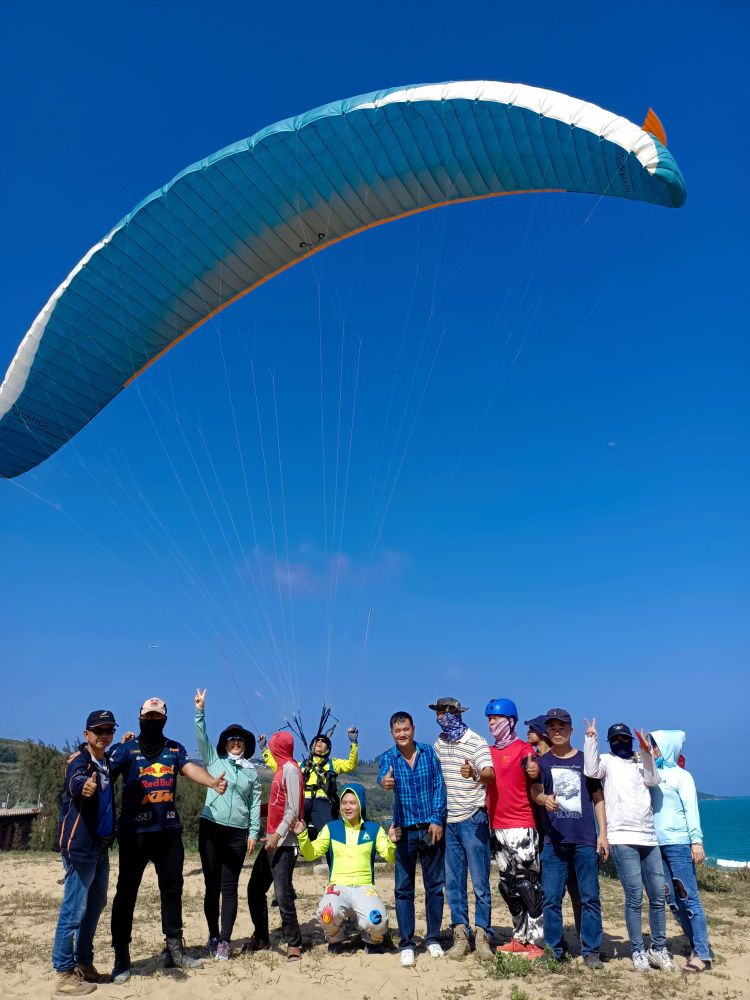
653,125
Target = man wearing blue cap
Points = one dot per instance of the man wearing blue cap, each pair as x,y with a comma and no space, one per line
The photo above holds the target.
515,835
85,833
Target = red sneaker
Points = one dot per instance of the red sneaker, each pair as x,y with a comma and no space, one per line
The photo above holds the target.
514,947
534,951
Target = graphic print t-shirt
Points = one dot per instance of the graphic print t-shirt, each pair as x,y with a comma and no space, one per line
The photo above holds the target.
573,823
149,785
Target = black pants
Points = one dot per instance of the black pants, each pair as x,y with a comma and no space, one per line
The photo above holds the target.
222,850
276,868
317,813
164,849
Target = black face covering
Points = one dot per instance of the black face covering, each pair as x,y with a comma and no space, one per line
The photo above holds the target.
151,736
622,748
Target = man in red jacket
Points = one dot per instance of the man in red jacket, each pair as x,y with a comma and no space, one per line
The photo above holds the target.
515,836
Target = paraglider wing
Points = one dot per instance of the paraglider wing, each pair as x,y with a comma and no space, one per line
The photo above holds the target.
232,221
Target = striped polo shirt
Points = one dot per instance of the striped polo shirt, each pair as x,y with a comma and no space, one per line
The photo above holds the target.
465,795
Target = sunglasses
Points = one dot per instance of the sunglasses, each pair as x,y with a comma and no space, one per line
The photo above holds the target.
103,731
235,739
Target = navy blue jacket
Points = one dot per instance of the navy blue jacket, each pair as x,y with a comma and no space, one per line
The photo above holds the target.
77,838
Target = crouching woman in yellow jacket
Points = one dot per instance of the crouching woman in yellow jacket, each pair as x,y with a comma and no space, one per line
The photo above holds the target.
353,842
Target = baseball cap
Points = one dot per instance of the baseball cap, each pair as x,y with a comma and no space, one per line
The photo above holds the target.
154,705
619,729
101,717
560,714
448,705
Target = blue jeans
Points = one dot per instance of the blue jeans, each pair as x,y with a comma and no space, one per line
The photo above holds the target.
416,844
679,871
467,851
555,858
84,898
641,867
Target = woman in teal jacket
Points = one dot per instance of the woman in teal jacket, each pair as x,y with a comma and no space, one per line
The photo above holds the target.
678,830
229,824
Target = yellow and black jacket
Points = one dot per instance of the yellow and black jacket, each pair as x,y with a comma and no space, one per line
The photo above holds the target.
352,846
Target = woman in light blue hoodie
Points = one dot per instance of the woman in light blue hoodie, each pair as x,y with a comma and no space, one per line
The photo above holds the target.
678,830
229,824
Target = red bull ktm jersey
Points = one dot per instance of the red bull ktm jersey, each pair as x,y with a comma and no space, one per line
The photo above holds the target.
148,786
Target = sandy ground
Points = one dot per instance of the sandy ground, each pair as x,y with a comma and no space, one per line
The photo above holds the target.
30,895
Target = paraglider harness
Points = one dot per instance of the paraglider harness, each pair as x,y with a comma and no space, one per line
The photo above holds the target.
326,783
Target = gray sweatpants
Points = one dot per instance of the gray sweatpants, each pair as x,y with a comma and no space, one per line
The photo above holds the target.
360,903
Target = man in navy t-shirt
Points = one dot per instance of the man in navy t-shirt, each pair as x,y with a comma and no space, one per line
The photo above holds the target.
574,807
150,830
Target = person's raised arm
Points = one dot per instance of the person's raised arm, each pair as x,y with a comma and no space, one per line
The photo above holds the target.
593,765
342,766
205,748
648,764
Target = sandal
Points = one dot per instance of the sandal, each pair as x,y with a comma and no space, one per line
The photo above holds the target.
293,954
692,967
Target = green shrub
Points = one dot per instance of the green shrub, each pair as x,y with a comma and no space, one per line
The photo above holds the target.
510,966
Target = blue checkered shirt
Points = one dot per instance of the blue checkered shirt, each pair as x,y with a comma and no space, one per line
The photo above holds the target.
419,795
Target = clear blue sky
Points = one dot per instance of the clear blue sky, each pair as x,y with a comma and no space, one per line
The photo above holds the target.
547,487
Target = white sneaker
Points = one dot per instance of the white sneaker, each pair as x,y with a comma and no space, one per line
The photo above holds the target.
660,959
407,958
434,950
640,961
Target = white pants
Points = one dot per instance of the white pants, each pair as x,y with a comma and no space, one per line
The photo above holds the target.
360,903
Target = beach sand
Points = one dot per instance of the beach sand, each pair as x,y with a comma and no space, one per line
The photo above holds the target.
30,896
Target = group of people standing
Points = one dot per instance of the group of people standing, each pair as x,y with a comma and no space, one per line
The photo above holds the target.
549,813
546,811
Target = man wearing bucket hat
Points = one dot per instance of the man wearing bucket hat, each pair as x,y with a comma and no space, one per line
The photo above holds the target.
150,831
87,826
467,769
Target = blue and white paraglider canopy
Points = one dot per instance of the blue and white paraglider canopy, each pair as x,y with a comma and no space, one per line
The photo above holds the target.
243,215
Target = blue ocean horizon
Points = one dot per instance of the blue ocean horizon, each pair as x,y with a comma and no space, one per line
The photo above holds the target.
726,828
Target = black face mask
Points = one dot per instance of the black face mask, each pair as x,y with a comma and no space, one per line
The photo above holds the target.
622,748
151,737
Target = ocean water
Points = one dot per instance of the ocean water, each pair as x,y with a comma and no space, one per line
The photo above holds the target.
726,828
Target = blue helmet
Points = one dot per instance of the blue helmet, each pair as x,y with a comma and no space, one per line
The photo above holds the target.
502,706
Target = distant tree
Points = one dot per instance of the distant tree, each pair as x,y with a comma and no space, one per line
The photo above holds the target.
41,770
9,750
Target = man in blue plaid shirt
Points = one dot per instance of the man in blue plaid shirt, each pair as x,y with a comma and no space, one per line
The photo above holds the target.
412,771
